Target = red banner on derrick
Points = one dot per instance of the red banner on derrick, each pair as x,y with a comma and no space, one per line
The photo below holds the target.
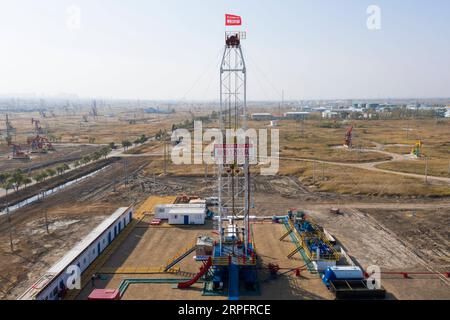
232,20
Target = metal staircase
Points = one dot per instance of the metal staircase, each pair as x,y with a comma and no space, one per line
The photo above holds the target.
180,256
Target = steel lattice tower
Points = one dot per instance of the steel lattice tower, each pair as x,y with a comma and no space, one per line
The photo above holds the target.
233,177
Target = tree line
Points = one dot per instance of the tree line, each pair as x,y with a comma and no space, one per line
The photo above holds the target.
18,178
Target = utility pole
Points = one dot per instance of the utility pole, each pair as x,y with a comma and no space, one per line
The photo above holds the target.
46,221
282,102
125,169
323,171
42,192
449,168
7,205
9,222
314,172
165,157
11,237
426,169
302,126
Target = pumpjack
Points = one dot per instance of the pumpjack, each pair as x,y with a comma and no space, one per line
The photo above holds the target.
348,137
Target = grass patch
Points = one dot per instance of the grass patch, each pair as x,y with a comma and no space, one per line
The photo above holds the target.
436,167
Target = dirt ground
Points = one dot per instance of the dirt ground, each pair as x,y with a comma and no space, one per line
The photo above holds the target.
152,247
286,287
72,213
370,229
144,248
428,230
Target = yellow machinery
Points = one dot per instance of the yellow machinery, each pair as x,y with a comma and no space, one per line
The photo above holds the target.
417,150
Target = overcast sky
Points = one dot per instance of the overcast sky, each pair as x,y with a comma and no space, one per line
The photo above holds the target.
170,49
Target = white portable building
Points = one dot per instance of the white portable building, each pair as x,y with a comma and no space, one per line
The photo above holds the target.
162,211
186,215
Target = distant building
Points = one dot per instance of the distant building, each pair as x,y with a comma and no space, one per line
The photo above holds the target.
372,105
328,114
296,115
321,109
304,108
447,113
157,110
261,116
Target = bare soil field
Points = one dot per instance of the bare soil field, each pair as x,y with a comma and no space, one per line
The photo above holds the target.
426,230
72,213
273,196
370,241
285,287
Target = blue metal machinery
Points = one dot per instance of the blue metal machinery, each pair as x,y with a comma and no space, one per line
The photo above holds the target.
342,273
314,242
233,282
348,282
233,268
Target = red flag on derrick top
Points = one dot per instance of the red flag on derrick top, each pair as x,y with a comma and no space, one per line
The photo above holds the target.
232,20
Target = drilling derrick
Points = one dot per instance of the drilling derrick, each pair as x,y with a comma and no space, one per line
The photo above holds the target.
234,257
94,110
9,129
233,175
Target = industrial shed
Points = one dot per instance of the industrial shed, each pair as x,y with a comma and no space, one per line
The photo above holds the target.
261,116
162,211
53,284
296,115
186,215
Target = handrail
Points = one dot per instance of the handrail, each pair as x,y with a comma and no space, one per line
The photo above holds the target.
221,261
181,253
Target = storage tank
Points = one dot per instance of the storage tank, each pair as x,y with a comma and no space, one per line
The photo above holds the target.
342,273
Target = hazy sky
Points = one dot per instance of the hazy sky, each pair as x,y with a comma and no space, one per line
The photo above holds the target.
170,49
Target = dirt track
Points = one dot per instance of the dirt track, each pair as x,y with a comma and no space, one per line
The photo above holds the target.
371,166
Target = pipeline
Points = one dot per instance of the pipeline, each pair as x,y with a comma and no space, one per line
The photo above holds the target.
126,283
406,274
